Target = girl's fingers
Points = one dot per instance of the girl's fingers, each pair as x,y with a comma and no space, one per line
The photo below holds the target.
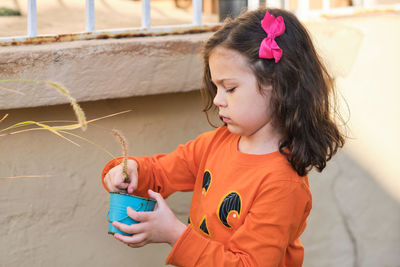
132,240
107,182
122,186
132,186
114,181
129,229
138,216
133,175
138,245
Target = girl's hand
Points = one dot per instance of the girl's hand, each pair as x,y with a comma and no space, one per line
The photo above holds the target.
158,226
114,179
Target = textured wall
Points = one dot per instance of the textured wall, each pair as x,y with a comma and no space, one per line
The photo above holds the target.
356,214
61,220
102,69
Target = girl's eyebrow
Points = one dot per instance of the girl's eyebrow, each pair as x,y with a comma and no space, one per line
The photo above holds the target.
221,81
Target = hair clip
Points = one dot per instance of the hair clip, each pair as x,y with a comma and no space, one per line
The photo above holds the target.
274,27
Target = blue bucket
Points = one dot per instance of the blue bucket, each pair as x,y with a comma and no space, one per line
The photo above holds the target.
118,204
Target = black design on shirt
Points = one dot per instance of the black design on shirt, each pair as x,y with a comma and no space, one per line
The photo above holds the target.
206,180
231,202
203,226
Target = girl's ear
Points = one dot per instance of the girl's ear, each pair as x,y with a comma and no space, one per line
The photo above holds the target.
265,89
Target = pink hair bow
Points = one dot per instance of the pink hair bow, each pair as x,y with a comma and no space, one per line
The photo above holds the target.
274,27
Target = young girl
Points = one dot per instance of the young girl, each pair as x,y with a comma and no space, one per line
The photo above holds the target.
251,195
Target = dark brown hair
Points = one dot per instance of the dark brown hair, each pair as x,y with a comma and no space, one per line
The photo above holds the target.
302,98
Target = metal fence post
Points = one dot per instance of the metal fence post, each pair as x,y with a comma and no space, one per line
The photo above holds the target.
303,8
146,14
253,4
197,11
32,26
90,15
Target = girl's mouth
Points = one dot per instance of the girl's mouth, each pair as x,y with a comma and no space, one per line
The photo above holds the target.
225,119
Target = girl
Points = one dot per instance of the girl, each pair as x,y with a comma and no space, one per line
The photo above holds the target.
251,195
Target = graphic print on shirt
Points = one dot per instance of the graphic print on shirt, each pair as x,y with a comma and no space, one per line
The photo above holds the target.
229,209
207,177
203,226
206,181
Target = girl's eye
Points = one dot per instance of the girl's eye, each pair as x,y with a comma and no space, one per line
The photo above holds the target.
230,90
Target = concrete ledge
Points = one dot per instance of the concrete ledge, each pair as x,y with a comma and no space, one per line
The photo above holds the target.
102,69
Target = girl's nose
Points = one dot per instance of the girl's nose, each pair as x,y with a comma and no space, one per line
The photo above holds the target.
219,99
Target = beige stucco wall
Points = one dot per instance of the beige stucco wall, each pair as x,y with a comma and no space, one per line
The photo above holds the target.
102,69
61,220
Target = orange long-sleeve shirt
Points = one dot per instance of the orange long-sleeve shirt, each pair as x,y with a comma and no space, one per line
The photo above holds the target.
247,210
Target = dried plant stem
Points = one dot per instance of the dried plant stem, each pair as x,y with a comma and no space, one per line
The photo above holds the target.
10,90
44,126
77,109
59,130
122,141
4,117
90,142
80,115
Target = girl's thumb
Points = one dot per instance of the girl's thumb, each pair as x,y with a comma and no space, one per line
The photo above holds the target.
160,200
132,186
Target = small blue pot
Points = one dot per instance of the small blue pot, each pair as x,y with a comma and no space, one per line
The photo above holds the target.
118,204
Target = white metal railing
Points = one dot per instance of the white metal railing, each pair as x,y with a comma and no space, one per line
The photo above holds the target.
326,5
32,18
90,18
197,12
253,4
146,14
302,8
303,11
90,23
89,15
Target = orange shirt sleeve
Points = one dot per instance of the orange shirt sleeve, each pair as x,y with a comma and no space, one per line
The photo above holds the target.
167,173
277,218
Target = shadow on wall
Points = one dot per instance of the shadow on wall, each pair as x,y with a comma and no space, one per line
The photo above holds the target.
354,221
356,200
366,70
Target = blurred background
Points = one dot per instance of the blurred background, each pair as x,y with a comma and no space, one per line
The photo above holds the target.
68,16
60,218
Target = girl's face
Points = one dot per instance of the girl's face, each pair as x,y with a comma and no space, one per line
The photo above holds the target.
241,105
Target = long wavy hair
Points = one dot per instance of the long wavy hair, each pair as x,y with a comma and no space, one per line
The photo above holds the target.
303,100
